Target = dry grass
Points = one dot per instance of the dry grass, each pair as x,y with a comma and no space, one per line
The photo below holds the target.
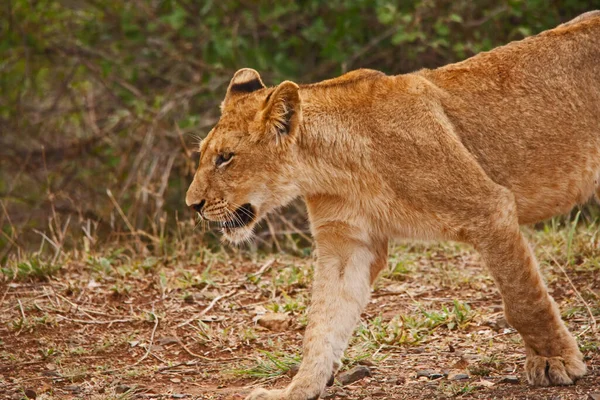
177,321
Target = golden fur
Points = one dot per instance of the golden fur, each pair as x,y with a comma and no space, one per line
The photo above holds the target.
466,152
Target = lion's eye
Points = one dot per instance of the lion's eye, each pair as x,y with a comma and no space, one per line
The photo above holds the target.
223,159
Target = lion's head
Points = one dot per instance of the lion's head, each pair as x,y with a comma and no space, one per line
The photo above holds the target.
246,167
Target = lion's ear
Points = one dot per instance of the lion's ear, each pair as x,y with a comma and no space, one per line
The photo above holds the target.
246,80
282,112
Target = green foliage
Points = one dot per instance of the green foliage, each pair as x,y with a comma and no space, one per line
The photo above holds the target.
34,268
273,364
98,95
411,329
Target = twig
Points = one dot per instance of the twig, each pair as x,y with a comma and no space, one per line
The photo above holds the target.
195,355
148,349
273,234
120,211
22,312
110,371
4,295
369,46
492,14
83,321
587,306
207,309
263,269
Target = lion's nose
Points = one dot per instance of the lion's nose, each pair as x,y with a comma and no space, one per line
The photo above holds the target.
198,206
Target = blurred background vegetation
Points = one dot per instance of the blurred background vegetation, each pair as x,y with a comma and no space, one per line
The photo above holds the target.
102,101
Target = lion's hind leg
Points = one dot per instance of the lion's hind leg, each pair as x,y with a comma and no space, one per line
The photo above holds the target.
553,357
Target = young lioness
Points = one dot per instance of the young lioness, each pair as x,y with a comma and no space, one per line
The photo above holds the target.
466,152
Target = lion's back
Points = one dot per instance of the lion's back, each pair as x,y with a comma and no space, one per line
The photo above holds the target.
530,113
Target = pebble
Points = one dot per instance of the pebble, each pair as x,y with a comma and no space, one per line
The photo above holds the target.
425,372
275,322
512,379
485,383
293,370
458,377
30,393
166,340
73,388
122,388
335,393
355,374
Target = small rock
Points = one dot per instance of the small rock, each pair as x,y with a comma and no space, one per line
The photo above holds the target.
401,380
293,370
484,383
512,379
594,396
425,372
73,388
122,388
335,393
276,322
379,393
30,393
355,374
458,377
212,318
366,362
166,340
461,364
188,299
178,396
175,380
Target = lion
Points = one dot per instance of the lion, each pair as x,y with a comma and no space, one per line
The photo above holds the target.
467,152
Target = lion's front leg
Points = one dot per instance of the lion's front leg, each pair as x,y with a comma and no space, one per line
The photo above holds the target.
341,290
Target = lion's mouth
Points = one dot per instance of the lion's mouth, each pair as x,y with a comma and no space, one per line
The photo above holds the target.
240,218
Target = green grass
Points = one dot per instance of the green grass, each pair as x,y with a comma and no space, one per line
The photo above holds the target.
411,329
32,269
269,365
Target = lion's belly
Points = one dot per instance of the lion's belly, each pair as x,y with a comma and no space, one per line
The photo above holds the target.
547,153
547,177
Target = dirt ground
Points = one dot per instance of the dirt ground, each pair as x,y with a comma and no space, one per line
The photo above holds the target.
110,325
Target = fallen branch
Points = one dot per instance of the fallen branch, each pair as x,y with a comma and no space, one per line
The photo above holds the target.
207,309
587,306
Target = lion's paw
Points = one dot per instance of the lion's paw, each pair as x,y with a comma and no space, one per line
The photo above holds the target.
550,371
263,394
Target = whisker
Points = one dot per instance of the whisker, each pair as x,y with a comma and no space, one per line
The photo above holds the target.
243,210
235,217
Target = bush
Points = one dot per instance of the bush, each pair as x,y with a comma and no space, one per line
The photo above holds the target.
104,95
